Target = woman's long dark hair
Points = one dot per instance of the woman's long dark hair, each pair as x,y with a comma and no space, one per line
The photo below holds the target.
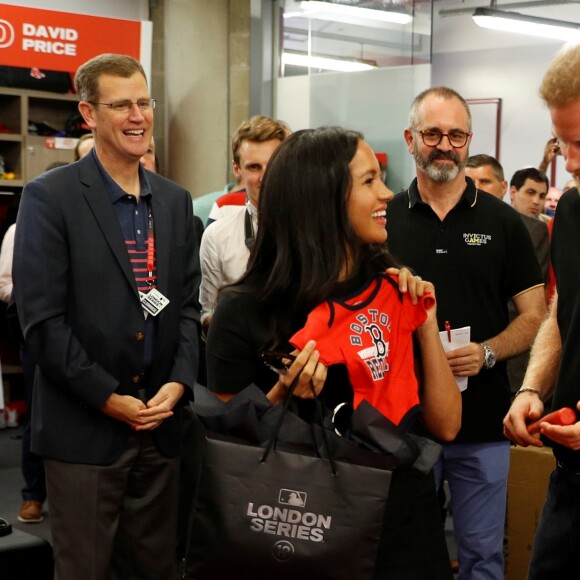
305,239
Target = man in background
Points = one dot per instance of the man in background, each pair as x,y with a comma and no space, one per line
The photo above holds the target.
552,198
487,174
569,185
528,190
225,246
149,160
83,146
477,252
204,204
234,195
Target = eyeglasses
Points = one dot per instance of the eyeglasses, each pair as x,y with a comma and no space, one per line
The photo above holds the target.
432,137
125,106
279,362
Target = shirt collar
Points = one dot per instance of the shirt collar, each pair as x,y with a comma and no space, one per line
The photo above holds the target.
469,196
115,191
252,210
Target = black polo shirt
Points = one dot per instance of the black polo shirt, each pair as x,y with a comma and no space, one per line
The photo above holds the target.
478,257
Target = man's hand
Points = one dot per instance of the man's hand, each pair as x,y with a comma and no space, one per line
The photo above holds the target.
123,408
551,151
526,408
141,416
160,407
466,361
568,436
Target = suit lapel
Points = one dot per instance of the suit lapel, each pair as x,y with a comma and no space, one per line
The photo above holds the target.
100,203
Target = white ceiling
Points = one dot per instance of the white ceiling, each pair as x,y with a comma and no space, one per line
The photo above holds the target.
389,42
459,32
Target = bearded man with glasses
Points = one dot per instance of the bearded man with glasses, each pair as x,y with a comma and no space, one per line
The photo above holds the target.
106,270
478,253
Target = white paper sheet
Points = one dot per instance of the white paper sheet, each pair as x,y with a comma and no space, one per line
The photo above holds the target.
459,337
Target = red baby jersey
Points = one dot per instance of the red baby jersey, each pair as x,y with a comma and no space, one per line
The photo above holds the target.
372,334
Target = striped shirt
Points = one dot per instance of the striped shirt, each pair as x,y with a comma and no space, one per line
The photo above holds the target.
133,219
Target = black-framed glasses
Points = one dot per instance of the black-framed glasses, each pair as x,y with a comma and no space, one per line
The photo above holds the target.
279,362
126,105
432,137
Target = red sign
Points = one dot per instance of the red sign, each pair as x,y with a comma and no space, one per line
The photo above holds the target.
61,41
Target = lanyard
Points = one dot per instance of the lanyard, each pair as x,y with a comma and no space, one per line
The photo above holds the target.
150,249
249,236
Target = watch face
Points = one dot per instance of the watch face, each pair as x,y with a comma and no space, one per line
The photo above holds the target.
489,358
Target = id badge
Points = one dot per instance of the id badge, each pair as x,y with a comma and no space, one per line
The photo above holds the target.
153,302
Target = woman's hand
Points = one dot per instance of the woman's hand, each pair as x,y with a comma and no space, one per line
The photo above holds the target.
408,282
310,370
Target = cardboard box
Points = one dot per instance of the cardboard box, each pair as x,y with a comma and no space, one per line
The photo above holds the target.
528,479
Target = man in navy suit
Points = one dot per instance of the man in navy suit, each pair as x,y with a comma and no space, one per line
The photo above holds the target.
106,271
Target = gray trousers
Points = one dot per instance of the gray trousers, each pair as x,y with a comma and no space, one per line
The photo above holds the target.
115,521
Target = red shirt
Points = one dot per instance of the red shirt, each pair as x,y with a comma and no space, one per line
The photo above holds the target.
372,334
232,198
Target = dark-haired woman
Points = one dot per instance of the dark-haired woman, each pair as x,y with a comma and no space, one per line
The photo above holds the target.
321,240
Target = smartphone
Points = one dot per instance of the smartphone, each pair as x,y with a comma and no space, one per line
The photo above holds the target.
277,361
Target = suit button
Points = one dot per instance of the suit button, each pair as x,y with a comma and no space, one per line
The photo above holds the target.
136,378
139,336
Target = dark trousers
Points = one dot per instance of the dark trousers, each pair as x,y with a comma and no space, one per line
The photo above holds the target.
557,543
31,463
115,521
412,545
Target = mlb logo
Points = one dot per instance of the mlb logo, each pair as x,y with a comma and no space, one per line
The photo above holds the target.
292,497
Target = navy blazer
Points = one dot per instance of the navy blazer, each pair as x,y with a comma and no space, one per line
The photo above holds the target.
80,312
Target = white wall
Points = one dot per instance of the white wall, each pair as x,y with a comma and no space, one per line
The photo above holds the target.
481,63
374,102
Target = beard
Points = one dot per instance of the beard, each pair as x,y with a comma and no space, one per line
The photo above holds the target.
439,173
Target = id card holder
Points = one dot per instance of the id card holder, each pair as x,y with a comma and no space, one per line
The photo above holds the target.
153,302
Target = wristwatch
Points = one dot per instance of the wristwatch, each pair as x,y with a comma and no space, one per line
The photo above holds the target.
488,355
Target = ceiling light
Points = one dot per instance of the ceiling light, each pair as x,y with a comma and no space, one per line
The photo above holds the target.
523,24
324,63
349,14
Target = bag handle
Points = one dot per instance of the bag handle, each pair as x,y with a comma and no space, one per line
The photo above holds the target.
278,426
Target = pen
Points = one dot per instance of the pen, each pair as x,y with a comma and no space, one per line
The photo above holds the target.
448,329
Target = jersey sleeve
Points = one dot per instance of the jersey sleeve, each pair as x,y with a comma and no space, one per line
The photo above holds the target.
415,314
317,328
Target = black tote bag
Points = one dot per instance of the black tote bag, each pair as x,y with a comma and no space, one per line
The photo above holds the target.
284,513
